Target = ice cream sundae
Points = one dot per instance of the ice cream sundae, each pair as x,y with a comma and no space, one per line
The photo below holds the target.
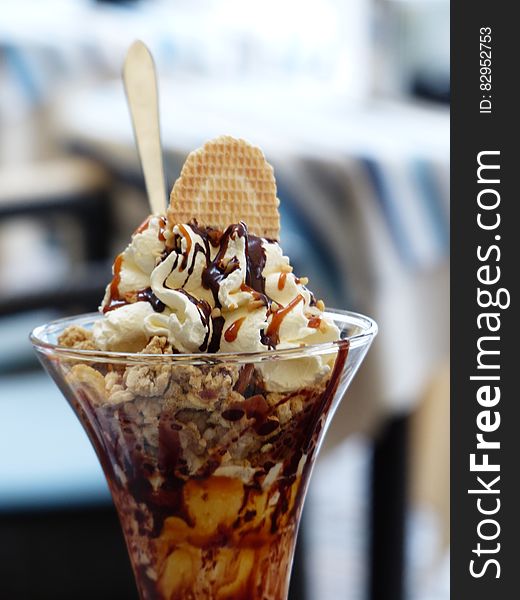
199,386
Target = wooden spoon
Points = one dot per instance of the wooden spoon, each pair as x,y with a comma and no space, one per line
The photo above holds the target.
140,83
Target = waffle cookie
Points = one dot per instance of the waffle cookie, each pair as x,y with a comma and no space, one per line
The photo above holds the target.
226,181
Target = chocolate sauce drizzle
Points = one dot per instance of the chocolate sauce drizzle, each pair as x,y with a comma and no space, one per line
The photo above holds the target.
147,295
205,315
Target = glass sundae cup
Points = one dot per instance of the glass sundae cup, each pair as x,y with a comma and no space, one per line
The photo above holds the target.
208,470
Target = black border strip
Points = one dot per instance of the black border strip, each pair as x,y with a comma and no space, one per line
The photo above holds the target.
474,132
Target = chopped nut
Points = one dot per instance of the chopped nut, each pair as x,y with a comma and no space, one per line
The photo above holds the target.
157,345
77,337
215,313
144,380
112,378
320,305
284,413
296,405
303,280
90,381
254,304
119,396
231,265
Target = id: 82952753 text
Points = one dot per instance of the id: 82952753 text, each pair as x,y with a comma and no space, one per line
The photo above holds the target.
485,70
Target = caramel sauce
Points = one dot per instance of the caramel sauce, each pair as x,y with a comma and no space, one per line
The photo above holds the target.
272,332
281,281
115,301
144,226
314,322
230,335
162,229
256,295
113,304
114,286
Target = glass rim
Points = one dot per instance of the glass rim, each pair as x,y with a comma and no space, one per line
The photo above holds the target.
367,325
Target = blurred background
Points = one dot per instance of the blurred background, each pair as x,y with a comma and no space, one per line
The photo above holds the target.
349,101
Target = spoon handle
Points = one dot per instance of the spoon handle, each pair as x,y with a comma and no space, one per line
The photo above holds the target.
141,93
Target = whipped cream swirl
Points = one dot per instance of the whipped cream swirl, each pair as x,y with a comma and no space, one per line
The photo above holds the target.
209,291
